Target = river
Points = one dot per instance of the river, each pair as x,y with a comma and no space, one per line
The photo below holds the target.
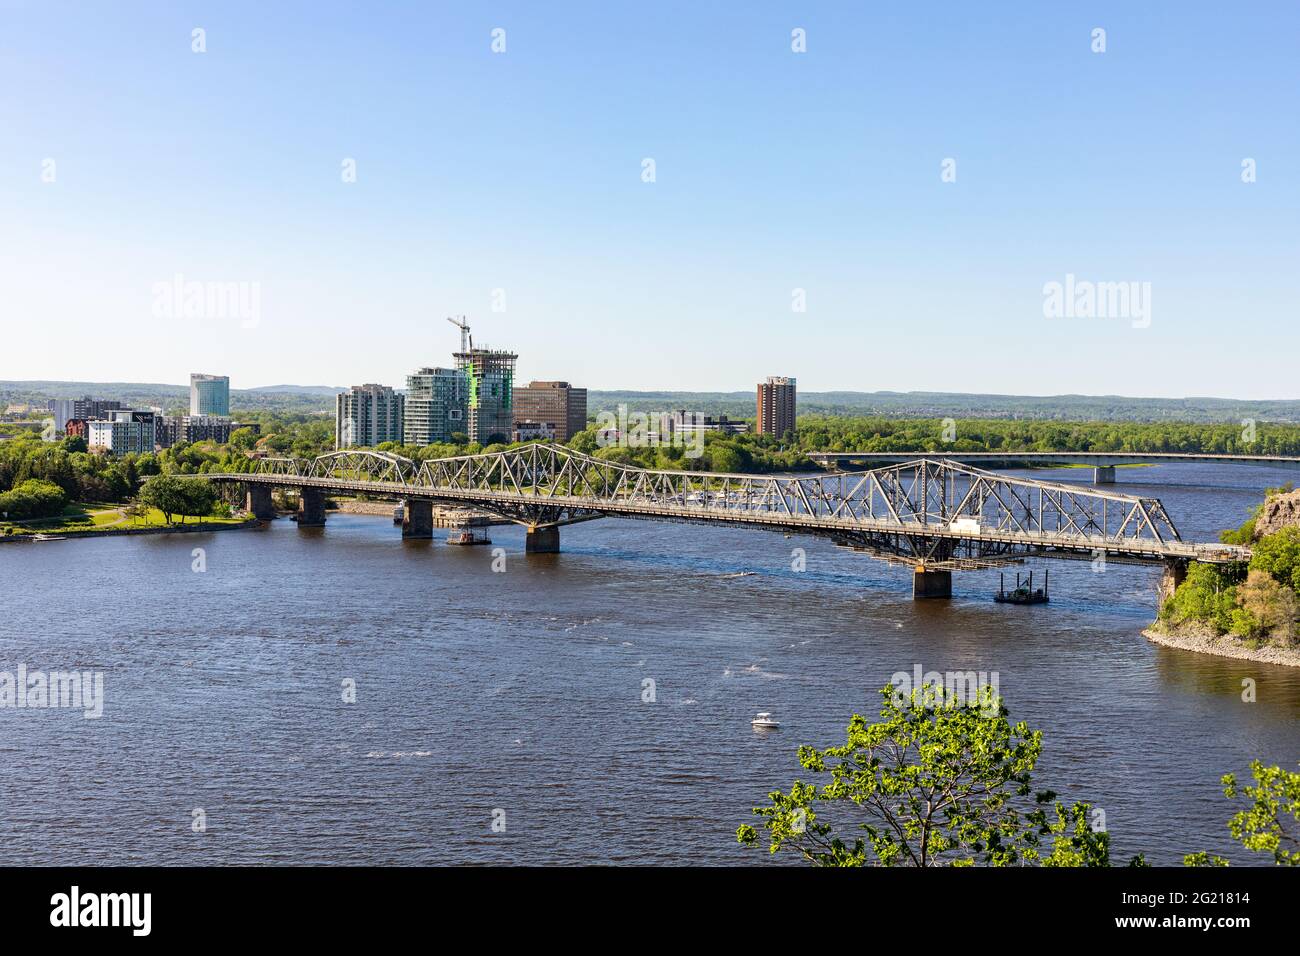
516,697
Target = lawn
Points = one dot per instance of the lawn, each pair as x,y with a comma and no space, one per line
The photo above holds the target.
101,517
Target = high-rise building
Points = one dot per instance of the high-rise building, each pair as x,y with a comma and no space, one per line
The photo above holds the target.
367,415
491,377
437,403
776,404
557,404
209,394
124,432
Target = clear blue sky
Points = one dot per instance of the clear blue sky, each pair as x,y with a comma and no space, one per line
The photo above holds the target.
775,170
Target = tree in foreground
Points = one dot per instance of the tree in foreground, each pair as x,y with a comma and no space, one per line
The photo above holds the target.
936,782
1271,821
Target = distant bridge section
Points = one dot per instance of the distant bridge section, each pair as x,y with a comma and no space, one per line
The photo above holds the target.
936,516
1104,462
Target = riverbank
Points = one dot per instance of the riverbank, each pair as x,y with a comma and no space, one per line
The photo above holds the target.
1205,641
214,525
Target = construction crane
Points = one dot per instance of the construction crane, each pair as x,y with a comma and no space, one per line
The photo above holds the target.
466,340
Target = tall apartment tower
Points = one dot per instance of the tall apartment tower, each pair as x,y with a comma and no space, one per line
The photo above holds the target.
209,394
776,401
490,375
557,404
437,405
367,415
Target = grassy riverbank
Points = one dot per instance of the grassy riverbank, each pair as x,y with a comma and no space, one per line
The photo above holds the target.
99,518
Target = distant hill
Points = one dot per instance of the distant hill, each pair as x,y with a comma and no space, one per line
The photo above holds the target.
328,390
959,405
320,399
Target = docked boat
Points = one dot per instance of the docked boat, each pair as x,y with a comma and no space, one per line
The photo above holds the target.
47,537
765,721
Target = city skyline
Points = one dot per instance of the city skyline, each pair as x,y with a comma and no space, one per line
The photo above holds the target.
914,185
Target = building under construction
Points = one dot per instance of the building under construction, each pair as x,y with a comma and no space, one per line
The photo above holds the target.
490,375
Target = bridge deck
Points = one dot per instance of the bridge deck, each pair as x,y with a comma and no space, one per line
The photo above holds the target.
771,510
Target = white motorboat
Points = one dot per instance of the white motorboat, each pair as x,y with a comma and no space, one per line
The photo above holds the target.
765,721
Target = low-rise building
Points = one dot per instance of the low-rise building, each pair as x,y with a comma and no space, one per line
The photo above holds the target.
683,422
125,432
534,431
172,429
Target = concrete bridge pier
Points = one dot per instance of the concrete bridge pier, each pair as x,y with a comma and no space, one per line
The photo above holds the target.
1175,574
417,518
311,508
1103,475
542,540
257,502
931,584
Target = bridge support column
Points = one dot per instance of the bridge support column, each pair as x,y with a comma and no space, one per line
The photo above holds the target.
931,584
1175,574
1103,475
311,508
417,518
542,540
257,502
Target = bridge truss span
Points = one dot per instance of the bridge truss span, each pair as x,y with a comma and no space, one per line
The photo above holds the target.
935,513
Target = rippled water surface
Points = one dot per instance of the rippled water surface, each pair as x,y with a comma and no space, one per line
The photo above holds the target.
522,691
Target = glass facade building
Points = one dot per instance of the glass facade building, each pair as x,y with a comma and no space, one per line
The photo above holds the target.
437,403
210,395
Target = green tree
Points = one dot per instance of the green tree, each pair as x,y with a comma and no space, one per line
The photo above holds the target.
165,493
1271,821
33,498
242,439
934,783
1278,554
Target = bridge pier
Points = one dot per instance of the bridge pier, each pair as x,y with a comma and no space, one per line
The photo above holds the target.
257,502
311,508
542,540
931,584
417,518
1103,475
1175,573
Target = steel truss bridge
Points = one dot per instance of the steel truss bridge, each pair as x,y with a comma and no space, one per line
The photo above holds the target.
936,515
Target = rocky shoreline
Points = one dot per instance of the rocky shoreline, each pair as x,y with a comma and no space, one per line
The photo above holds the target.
1204,641
384,508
